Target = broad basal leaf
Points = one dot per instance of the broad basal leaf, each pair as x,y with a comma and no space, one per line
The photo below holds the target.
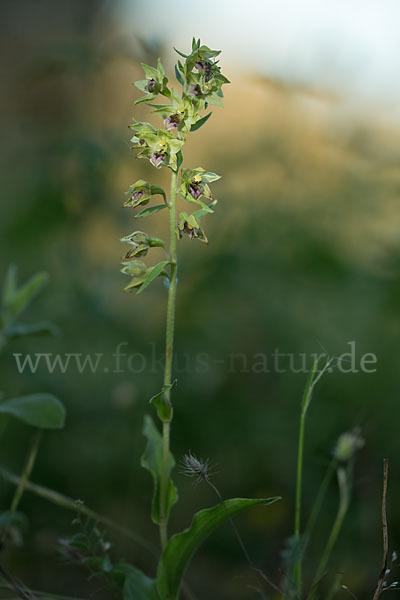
181,547
39,410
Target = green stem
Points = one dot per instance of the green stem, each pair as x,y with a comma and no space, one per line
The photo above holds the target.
312,380
299,476
26,473
337,525
169,347
23,480
319,500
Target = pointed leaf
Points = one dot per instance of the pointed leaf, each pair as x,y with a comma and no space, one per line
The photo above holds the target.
215,100
181,53
181,547
152,274
25,294
150,211
150,72
200,122
22,329
39,410
10,285
152,461
179,76
204,206
179,160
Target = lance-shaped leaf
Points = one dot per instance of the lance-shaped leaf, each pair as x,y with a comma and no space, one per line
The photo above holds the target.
200,122
152,461
17,330
39,410
179,76
15,300
152,273
150,211
181,547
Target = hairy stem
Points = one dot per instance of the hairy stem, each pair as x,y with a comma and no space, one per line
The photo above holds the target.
169,347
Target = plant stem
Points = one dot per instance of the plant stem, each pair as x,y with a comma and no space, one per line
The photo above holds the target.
337,525
26,473
312,380
169,346
319,500
70,504
299,477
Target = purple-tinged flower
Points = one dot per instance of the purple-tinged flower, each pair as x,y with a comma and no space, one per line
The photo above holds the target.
194,189
152,87
205,68
194,89
172,121
137,195
157,158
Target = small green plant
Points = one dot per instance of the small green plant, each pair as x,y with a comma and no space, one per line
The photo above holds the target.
41,411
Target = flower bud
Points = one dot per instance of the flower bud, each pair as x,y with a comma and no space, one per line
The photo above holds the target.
347,445
152,87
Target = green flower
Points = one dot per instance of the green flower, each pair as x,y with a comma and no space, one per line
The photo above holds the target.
137,270
139,243
203,79
157,145
189,225
139,193
155,83
181,114
194,185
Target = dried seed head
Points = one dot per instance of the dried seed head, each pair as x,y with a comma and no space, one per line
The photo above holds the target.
196,468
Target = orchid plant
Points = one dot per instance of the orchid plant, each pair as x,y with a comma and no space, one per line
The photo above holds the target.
200,79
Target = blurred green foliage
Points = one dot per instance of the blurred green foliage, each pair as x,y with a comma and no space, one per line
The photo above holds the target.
306,255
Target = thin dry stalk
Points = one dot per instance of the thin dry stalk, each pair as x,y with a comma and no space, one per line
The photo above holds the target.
381,579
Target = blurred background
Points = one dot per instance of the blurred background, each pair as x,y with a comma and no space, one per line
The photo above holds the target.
303,254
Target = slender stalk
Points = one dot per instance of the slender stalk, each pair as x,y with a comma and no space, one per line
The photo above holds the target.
382,575
337,525
319,500
23,480
169,346
299,476
70,504
312,380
